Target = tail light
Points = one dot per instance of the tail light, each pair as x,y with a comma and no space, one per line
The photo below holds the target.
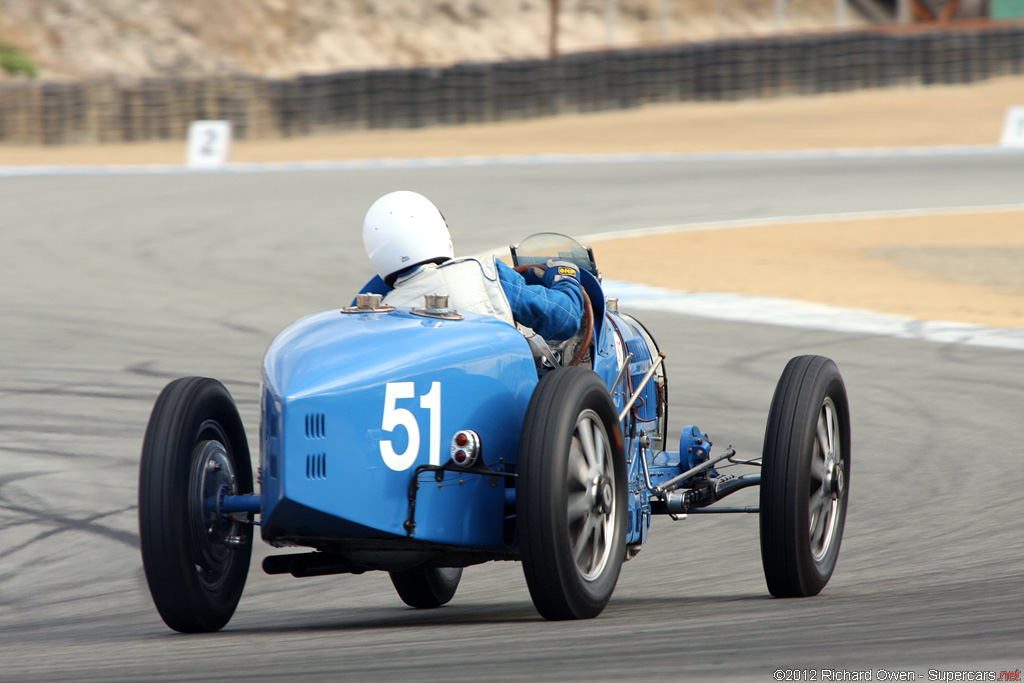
465,448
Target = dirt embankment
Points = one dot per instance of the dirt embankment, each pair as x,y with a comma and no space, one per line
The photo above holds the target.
74,39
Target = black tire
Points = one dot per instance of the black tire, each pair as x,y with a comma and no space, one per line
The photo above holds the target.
426,587
195,564
571,559
805,480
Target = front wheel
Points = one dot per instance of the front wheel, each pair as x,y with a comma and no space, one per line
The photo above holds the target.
426,587
571,495
805,477
195,450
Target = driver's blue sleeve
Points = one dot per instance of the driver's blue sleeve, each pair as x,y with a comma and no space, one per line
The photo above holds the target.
374,286
553,313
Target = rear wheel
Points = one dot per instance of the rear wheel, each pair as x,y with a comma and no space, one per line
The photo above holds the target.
805,477
427,587
194,450
571,495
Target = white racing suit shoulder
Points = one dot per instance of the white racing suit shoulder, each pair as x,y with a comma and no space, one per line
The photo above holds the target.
470,284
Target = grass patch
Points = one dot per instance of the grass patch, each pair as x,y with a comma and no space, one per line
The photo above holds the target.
16,62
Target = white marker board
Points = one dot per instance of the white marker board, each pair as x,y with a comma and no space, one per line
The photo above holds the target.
1013,128
209,143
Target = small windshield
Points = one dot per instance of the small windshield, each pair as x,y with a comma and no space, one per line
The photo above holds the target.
552,245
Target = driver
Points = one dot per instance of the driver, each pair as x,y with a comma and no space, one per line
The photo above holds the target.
408,242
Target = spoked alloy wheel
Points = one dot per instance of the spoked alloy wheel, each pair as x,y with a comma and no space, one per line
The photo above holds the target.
195,450
571,495
426,587
590,496
805,477
828,483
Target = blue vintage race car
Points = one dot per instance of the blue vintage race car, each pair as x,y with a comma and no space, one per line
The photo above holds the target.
420,441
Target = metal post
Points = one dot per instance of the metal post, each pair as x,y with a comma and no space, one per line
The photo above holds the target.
903,11
663,27
840,13
553,34
780,15
610,10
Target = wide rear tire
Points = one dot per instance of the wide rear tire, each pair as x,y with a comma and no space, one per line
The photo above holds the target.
805,477
571,495
427,587
195,448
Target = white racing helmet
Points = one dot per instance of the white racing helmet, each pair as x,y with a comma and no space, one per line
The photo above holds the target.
403,229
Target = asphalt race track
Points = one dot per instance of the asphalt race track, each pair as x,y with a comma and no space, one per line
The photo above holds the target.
112,285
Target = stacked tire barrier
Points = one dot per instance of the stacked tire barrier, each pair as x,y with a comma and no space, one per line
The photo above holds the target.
62,113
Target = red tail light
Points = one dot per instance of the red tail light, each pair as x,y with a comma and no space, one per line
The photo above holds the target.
465,448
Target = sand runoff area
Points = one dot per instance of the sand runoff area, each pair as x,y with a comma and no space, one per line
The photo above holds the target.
962,266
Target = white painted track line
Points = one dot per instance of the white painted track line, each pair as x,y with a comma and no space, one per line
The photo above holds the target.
802,314
517,160
771,221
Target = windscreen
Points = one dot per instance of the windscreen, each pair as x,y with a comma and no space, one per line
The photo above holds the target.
552,245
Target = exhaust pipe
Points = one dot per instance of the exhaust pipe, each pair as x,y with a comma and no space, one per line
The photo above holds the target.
310,564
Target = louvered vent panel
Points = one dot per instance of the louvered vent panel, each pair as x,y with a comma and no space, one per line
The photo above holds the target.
641,363
638,347
316,426
316,466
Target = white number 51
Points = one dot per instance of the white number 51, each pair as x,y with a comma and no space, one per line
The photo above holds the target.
402,417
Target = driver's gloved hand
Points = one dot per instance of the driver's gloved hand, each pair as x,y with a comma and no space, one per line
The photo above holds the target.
556,270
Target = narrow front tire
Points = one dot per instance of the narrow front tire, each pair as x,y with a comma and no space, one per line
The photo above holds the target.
805,477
